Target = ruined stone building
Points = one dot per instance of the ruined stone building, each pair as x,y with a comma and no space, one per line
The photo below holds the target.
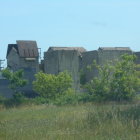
101,56
59,59
24,55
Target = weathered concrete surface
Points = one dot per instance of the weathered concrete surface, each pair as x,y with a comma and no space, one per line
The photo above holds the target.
106,54
138,57
58,59
27,90
88,59
137,61
101,56
5,91
63,60
24,54
13,60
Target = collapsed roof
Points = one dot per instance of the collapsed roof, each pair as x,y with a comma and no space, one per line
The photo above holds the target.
25,49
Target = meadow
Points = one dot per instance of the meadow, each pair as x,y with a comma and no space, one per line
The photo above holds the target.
88,121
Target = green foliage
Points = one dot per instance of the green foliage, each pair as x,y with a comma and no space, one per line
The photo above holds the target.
17,100
118,81
125,79
82,77
15,78
71,98
68,98
99,87
71,122
122,113
39,100
51,86
2,99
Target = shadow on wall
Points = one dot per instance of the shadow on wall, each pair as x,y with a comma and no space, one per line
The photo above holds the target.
4,89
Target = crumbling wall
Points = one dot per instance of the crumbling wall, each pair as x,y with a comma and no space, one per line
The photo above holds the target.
32,64
13,61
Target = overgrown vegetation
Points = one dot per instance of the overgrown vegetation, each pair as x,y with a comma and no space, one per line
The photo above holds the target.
15,78
115,82
16,82
28,119
119,81
88,122
51,86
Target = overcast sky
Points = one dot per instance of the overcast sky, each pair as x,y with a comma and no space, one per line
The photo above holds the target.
87,23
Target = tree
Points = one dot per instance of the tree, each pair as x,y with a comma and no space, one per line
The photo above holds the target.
15,78
117,81
125,79
51,86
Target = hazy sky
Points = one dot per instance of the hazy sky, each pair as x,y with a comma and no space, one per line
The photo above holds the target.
87,23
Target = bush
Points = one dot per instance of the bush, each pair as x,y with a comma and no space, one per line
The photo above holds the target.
117,82
16,100
2,99
39,100
72,98
125,79
15,78
51,86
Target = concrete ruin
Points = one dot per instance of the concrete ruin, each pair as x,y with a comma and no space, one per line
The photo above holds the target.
24,55
59,59
101,56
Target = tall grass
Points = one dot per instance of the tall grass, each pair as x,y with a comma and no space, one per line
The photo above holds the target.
79,122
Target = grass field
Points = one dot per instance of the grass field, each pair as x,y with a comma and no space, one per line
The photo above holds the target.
79,122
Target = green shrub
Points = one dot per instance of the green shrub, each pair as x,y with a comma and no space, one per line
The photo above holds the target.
51,86
15,78
39,100
72,98
2,99
16,100
115,82
68,98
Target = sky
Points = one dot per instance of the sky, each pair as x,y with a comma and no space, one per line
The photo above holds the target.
87,23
